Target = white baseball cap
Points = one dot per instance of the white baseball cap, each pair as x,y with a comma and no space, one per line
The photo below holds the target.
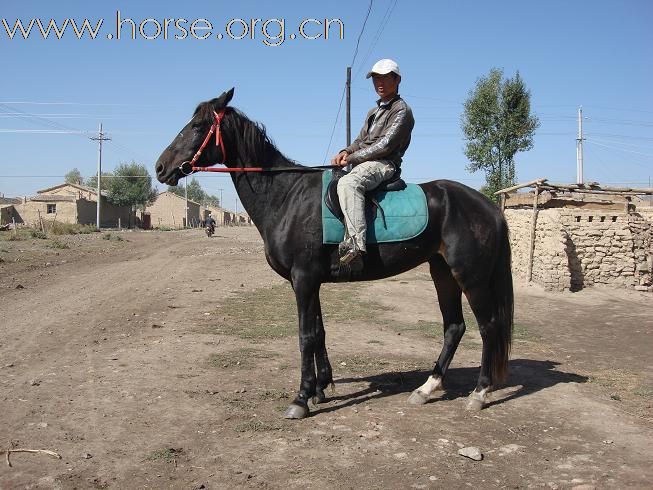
383,67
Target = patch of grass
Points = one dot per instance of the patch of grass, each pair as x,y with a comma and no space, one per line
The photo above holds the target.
240,402
238,358
270,313
57,244
256,426
168,455
268,395
428,329
520,332
38,234
21,233
365,364
162,228
57,228
619,379
643,392
111,236
374,341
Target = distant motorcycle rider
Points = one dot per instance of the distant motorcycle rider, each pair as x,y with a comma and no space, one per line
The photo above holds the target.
210,221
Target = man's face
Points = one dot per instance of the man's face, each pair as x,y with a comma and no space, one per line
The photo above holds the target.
386,86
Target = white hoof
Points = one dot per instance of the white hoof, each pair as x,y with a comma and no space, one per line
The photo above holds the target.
474,405
417,398
476,400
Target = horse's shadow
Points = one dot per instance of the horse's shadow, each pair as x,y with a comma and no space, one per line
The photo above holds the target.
526,375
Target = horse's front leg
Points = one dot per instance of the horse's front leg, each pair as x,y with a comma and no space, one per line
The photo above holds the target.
308,307
324,372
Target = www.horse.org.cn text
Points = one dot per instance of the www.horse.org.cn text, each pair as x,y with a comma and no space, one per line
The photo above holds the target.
270,32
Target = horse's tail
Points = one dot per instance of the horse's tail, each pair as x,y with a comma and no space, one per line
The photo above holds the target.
503,301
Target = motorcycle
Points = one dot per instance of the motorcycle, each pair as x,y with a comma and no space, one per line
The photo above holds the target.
210,230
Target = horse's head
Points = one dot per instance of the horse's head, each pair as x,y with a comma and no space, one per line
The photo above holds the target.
171,165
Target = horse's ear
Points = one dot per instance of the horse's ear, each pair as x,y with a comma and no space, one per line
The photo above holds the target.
225,98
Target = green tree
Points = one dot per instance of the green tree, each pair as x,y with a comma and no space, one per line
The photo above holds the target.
104,183
195,192
497,123
131,185
74,177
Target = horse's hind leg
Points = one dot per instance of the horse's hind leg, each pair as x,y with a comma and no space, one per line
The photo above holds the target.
449,298
481,303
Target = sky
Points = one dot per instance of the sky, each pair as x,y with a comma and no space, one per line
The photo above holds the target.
54,92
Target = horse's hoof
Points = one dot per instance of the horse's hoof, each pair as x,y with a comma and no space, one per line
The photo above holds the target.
474,404
296,412
417,398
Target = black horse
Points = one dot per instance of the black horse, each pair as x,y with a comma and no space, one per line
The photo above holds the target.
465,244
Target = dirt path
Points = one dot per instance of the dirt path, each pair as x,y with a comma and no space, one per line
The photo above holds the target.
165,360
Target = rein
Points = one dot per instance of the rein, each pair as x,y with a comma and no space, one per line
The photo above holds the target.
188,167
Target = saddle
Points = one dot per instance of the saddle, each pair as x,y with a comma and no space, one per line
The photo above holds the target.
395,183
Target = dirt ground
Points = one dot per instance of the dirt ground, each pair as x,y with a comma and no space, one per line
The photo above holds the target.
166,359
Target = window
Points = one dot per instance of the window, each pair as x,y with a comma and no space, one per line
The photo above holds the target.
52,208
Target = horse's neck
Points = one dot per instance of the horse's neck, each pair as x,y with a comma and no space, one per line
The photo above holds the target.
264,194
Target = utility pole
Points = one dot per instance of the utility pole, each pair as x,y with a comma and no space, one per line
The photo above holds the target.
186,197
101,136
579,148
221,206
348,105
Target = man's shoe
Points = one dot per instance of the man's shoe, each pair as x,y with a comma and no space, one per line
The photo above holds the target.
350,256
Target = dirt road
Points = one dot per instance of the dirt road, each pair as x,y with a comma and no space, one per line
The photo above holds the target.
166,359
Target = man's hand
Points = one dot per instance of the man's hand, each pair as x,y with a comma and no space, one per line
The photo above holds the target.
340,159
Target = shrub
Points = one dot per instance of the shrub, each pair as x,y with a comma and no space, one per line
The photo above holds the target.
71,229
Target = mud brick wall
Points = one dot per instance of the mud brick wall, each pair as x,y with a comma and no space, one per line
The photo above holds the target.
550,263
28,212
575,249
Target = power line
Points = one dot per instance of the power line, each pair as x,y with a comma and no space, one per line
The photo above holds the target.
344,90
43,131
382,25
369,9
619,149
342,97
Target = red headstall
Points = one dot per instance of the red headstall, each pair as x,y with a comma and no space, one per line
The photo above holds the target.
215,128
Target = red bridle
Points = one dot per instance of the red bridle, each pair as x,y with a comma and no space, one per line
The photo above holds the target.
215,128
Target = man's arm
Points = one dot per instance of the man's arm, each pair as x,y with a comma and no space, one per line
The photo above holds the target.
400,129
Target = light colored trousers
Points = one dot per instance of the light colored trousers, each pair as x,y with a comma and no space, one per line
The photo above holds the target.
351,194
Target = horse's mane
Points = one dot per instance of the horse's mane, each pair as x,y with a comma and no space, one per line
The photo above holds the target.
254,143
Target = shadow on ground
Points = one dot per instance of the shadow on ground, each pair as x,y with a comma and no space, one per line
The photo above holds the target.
526,375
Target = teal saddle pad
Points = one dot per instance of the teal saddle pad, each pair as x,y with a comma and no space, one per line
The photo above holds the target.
405,211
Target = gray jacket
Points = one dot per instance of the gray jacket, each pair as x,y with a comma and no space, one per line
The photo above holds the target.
385,134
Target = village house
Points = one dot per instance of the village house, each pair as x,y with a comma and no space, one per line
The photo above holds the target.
70,203
221,216
169,210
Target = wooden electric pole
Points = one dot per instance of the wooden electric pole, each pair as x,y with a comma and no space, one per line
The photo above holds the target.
101,136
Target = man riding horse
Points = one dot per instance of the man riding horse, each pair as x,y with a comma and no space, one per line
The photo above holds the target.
375,155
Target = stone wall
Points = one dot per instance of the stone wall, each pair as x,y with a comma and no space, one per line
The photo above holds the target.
575,249
550,262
